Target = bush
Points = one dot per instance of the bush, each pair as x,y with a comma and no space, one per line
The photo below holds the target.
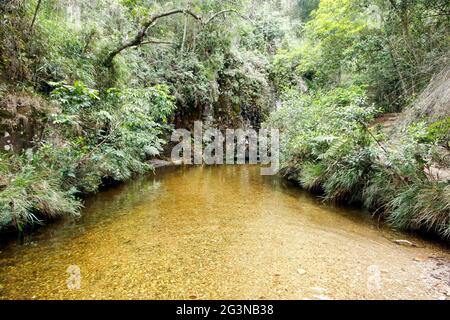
94,136
327,147
422,206
28,193
439,132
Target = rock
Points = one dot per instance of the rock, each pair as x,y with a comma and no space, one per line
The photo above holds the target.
160,163
419,259
321,297
405,243
157,163
437,277
301,272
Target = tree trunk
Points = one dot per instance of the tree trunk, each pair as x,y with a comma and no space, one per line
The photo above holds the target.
183,42
35,15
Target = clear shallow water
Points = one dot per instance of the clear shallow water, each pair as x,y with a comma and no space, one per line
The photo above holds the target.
220,233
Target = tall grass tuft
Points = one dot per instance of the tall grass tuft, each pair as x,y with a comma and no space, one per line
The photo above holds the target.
424,205
29,195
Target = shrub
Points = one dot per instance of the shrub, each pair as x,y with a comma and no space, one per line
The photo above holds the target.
327,147
29,193
94,136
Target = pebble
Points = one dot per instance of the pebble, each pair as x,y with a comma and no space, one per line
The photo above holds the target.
419,259
405,243
321,297
301,272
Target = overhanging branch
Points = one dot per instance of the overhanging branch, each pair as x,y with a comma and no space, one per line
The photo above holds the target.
35,15
157,42
223,12
140,36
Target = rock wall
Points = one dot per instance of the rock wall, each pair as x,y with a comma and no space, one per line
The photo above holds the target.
22,118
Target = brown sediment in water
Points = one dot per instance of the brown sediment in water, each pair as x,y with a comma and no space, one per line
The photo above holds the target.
221,233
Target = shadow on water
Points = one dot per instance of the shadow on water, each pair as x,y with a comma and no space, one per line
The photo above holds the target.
108,204
118,199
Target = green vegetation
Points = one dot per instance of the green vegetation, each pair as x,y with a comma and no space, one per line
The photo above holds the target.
89,91
93,136
360,61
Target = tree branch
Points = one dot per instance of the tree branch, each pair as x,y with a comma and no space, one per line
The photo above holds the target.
185,27
139,38
393,4
223,12
156,42
35,16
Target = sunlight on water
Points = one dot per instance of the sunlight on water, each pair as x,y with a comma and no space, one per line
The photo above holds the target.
219,232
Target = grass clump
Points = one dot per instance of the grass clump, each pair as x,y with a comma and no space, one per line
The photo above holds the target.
28,194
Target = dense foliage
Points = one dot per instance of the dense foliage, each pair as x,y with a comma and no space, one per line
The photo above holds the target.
356,60
93,136
89,91
74,115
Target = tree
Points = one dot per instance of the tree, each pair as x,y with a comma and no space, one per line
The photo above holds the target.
151,21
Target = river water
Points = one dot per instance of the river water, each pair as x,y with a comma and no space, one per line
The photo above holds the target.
220,233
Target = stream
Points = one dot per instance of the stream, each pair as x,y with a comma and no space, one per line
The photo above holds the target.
220,233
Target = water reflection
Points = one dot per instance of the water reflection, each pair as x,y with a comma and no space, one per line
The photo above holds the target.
218,232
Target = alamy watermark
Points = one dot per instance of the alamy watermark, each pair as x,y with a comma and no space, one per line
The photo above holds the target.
374,281
234,146
74,280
